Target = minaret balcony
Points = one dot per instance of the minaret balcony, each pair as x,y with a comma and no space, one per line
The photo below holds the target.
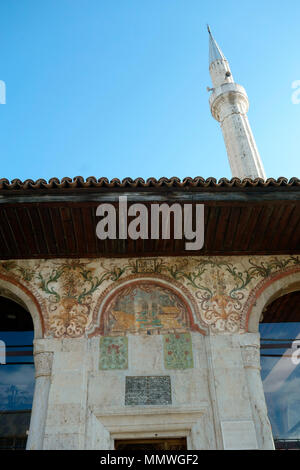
227,99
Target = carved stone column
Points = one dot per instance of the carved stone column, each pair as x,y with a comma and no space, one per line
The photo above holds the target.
250,349
43,366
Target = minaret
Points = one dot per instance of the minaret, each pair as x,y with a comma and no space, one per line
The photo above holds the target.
229,105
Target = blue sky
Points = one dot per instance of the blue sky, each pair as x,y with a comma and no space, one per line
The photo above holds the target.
117,88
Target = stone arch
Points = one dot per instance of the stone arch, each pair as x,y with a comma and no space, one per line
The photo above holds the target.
18,293
266,292
14,290
178,291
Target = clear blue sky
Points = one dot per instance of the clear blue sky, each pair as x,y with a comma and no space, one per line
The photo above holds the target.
117,88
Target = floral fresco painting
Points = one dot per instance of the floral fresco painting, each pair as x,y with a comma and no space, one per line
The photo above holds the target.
178,352
113,353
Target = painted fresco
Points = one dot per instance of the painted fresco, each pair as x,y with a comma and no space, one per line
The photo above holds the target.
113,353
145,308
69,293
178,352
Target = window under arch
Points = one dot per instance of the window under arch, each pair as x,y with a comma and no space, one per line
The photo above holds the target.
280,368
16,374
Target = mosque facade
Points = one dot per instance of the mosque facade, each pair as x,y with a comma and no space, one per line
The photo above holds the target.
139,343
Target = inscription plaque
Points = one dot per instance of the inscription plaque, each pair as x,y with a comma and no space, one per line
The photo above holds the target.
148,390
146,265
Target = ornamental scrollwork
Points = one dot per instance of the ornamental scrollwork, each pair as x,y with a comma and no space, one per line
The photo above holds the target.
70,288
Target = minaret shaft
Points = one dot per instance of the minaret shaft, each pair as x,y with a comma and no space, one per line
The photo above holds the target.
229,105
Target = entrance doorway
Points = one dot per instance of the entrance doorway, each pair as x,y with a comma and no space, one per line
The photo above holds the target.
152,445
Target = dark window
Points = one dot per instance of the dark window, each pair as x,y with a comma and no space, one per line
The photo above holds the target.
16,374
151,445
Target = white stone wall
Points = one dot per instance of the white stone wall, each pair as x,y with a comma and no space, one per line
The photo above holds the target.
190,393
212,404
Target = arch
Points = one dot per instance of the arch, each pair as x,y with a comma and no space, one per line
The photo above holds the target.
14,290
267,291
160,283
18,372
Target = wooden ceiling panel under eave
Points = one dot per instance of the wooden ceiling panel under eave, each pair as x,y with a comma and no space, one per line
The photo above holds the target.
65,229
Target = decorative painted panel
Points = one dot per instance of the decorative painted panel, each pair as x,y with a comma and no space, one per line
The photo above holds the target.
178,352
147,308
113,353
148,390
69,293
147,265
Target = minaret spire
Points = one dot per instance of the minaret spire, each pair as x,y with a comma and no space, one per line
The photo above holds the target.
229,105
215,52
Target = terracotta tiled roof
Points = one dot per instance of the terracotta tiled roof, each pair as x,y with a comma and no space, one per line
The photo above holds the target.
174,182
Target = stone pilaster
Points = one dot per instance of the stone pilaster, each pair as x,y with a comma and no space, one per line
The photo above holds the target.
66,417
250,349
233,400
43,367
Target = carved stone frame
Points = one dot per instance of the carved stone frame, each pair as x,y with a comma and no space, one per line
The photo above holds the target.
150,423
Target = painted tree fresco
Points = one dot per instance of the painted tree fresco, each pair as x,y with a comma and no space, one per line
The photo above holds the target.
178,353
113,353
145,308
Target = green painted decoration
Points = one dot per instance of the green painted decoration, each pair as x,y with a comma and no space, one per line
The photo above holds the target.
113,353
178,351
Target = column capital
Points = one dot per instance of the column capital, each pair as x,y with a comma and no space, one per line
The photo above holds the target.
251,356
43,364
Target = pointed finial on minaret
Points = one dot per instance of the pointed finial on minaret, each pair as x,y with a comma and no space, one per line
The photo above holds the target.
215,52
229,105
